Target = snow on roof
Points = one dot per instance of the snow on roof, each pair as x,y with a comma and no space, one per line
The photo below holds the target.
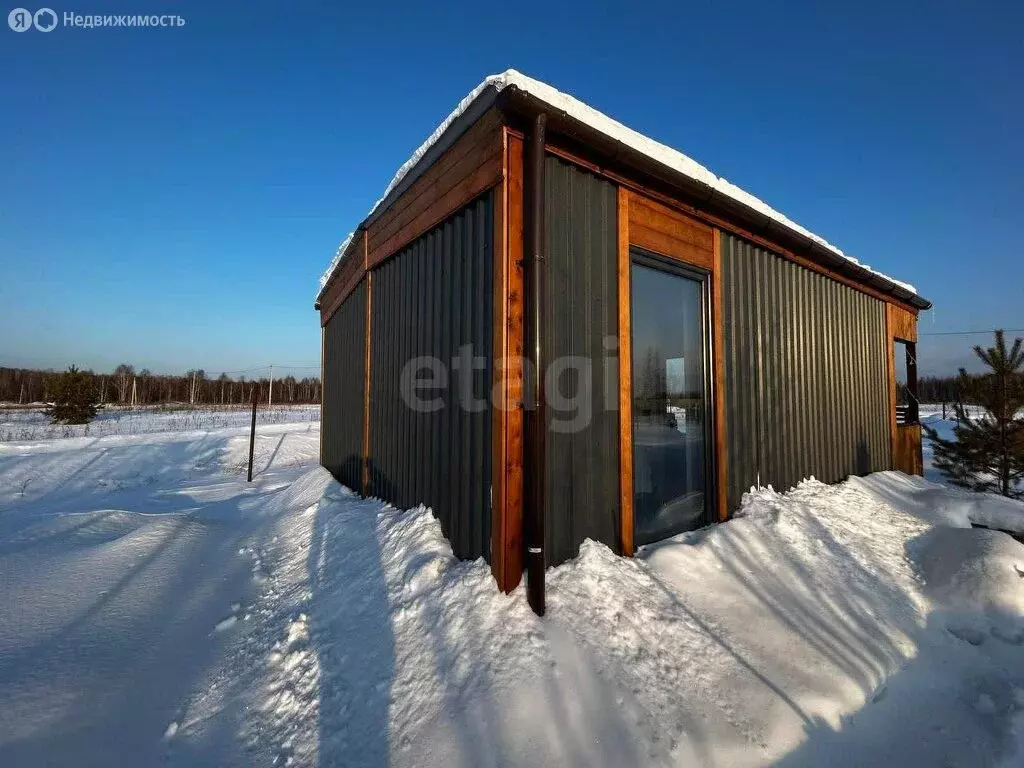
665,155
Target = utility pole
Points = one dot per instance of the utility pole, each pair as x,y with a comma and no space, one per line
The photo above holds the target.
270,394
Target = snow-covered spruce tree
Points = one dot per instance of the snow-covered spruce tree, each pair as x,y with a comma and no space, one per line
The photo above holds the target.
988,452
73,396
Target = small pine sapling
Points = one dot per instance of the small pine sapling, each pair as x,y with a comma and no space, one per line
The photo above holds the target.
988,452
74,399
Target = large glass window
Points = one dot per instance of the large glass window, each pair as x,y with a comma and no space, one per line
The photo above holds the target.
669,402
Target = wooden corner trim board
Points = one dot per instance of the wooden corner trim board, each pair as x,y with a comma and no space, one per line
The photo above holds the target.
667,201
323,379
366,385
507,514
718,326
626,543
499,354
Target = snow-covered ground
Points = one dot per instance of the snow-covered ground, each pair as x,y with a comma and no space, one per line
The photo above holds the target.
129,566
24,424
160,610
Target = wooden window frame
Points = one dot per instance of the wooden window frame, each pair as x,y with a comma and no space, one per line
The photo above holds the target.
676,267
651,226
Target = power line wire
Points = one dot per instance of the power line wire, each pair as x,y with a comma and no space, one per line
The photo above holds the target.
971,333
282,366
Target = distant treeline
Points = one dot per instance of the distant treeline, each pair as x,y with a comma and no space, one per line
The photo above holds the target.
942,389
22,385
125,386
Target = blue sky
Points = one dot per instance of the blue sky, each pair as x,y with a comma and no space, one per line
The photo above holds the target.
169,197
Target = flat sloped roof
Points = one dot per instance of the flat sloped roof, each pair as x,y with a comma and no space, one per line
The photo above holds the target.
667,158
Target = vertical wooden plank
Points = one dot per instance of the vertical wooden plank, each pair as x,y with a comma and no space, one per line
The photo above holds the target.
514,348
499,357
625,381
323,371
916,448
890,369
718,339
366,384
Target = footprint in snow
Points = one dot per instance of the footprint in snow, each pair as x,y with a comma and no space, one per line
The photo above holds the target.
967,634
1010,639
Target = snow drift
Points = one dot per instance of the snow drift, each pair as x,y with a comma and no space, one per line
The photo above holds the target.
808,631
975,570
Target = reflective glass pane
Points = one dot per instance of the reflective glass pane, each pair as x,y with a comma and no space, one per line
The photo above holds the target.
669,406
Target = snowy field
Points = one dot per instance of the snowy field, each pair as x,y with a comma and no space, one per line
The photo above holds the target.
159,610
24,424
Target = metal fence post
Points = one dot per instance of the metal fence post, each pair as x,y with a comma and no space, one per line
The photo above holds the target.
252,431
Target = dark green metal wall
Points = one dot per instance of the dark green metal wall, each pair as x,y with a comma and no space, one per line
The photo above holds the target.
582,465
344,389
430,299
806,384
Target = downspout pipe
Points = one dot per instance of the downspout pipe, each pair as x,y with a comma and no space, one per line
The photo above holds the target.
536,418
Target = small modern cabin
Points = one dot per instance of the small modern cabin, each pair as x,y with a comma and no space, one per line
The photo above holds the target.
553,328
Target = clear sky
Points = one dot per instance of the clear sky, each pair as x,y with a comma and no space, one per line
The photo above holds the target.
169,197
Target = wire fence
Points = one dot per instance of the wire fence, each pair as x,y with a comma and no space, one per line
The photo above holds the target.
29,424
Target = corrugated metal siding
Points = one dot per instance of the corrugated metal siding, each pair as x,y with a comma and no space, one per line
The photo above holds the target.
428,301
344,389
582,466
805,389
